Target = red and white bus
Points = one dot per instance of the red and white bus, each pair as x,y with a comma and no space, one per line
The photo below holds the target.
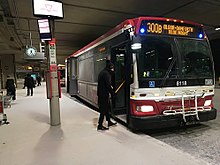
164,74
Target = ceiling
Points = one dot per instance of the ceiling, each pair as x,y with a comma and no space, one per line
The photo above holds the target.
86,20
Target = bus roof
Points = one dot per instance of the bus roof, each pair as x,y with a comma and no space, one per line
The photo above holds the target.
135,22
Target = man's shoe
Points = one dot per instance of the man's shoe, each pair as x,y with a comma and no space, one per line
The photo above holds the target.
101,128
110,123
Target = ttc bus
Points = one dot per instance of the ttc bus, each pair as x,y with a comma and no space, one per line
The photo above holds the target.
164,74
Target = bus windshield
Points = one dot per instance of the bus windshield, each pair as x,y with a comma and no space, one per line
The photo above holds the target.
163,58
196,61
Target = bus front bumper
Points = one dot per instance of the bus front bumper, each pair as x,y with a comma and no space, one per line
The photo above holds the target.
162,121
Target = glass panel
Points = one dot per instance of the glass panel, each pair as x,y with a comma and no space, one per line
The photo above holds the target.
156,59
166,60
100,63
196,58
120,77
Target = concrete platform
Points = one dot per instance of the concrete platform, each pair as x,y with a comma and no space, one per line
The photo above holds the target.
30,140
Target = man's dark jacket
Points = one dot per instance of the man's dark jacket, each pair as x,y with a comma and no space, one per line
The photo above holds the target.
104,86
10,85
29,82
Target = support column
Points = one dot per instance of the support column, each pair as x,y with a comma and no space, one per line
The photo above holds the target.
54,86
54,101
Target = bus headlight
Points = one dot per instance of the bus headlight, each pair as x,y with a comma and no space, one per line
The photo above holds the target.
145,108
208,102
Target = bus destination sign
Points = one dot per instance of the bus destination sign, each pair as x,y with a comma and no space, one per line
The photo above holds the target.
177,30
169,28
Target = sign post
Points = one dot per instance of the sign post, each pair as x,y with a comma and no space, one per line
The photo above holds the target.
51,9
54,85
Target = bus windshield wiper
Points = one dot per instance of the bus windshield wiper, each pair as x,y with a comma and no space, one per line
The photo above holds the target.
168,72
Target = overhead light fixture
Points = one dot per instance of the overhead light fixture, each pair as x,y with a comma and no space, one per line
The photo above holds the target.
218,28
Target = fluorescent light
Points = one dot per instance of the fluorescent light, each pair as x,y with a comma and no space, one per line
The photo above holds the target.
218,28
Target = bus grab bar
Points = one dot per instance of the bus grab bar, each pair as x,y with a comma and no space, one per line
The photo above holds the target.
120,87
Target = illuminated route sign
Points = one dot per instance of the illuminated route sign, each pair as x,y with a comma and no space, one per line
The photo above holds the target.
171,28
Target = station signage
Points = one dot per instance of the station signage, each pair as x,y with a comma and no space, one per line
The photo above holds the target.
52,52
48,8
44,29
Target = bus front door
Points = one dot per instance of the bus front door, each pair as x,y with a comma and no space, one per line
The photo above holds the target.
118,57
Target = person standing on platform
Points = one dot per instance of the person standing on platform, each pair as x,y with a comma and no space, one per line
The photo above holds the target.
38,80
103,92
29,83
10,87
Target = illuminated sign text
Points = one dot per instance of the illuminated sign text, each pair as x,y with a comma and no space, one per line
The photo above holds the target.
169,29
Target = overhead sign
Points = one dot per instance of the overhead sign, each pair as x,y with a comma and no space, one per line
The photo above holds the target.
48,8
44,29
52,54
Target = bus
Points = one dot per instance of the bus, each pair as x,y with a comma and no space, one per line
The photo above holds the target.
164,72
